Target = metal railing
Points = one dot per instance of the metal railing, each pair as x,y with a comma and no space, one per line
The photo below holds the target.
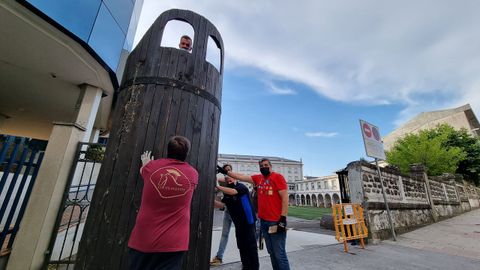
20,160
77,197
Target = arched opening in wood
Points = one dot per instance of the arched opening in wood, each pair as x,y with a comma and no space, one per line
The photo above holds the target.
174,30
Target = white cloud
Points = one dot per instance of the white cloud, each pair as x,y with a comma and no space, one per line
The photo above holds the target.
321,134
364,52
276,90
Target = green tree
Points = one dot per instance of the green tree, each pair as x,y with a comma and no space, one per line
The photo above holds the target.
469,167
428,147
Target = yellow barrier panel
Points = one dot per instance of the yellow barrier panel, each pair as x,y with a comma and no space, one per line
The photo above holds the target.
349,223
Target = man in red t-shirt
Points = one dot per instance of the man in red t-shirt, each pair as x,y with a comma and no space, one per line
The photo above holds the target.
161,234
272,192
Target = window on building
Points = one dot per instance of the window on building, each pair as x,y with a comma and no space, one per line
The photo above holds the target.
121,11
107,37
79,22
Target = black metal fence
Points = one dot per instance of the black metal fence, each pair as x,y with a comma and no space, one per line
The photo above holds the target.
20,160
71,218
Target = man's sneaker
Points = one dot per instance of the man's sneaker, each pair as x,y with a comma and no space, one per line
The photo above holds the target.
216,261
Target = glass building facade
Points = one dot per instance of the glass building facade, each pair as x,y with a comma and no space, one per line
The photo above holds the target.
107,26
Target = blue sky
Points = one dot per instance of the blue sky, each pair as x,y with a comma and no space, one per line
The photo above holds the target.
300,74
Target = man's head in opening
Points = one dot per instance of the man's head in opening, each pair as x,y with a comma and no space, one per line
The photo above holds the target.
185,43
178,148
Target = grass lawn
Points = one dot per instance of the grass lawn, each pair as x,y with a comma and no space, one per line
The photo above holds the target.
307,212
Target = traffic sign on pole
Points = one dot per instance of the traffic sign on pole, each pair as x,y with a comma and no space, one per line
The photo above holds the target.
372,140
374,148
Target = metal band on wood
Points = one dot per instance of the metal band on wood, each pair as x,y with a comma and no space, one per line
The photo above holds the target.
175,84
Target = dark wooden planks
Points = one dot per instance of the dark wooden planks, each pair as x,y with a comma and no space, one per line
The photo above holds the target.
125,194
91,235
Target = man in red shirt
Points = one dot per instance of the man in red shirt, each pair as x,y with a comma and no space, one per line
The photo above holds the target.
161,234
272,209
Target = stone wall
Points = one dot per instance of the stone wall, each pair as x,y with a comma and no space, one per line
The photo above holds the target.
473,194
414,200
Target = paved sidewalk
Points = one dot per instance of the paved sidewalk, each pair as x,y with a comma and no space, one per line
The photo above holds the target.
374,257
450,244
458,236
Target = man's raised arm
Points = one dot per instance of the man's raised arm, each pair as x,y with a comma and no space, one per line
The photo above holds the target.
241,177
238,176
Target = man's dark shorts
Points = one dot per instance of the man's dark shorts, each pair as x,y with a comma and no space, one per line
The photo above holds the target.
155,260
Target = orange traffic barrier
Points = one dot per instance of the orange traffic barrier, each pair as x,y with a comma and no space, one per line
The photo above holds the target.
349,223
